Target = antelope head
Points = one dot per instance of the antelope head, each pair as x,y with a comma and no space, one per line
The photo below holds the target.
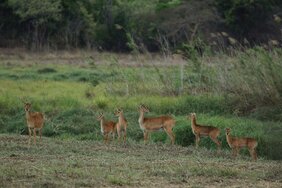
191,116
227,130
100,116
143,108
118,111
27,106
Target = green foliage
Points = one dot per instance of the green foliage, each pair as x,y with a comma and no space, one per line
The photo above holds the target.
248,76
37,16
36,10
70,23
138,26
164,4
46,70
185,136
244,15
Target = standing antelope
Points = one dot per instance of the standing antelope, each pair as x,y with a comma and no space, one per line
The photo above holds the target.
237,143
107,127
148,125
35,121
121,125
203,130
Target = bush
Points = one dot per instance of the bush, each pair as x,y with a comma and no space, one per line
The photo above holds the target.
244,15
46,70
253,79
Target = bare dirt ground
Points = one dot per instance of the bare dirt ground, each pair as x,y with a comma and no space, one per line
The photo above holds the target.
71,163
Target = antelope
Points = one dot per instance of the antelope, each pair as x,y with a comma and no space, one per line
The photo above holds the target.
148,125
107,127
35,121
121,125
237,143
203,130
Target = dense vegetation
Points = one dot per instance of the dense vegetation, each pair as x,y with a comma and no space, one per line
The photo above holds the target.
129,25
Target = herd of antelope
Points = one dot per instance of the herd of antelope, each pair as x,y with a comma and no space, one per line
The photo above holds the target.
35,121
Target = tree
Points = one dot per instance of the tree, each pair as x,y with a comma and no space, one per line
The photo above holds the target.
244,15
36,14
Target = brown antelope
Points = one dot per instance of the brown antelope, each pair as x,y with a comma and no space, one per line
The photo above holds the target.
148,125
35,121
121,125
237,143
203,130
107,127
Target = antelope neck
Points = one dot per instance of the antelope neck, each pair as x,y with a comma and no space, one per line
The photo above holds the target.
27,113
120,117
141,117
193,121
102,121
228,137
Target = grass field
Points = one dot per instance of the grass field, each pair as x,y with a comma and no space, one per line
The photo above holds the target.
71,163
72,88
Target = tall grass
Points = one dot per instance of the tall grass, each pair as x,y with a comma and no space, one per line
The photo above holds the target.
254,78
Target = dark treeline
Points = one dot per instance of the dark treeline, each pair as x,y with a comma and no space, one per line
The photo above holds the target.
128,25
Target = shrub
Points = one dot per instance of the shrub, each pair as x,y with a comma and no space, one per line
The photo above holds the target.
252,79
244,15
46,70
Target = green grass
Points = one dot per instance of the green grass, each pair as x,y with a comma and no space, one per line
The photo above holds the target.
71,96
55,162
76,120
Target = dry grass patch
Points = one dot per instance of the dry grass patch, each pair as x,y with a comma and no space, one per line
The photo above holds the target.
64,163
